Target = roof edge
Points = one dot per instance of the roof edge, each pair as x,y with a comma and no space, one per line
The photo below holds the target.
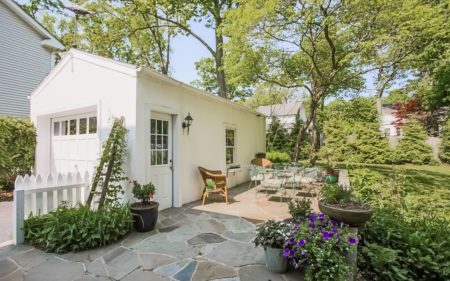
55,43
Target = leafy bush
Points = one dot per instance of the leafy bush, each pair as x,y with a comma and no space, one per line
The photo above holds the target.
143,192
278,156
277,137
75,229
444,153
321,244
412,147
273,234
396,249
17,149
299,209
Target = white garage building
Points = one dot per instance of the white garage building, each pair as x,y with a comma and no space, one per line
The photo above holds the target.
73,109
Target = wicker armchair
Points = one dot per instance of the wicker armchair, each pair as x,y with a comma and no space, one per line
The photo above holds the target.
220,183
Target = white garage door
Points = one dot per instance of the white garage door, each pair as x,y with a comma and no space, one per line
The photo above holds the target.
75,143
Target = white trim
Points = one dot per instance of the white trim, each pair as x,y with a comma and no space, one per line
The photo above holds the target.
52,43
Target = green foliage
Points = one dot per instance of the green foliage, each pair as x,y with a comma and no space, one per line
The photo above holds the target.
300,208
402,241
112,161
267,94
412,147
337,195
76,229
395,96
412,250
305,143
273,234
356,110
143,192
444,153
321,244
17,149
277,136
278,156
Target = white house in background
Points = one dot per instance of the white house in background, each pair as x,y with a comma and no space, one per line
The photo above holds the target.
387,122
286,113
27,53
73,109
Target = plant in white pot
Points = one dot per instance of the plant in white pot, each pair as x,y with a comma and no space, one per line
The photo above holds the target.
272,236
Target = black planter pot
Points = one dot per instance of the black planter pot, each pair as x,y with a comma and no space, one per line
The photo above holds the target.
352,217
144,216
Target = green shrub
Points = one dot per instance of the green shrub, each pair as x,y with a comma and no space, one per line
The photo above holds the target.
17,149
444,153
278,156
412,147
396,249
75,229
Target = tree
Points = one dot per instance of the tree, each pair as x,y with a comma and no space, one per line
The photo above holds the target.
412,147
395,96
359,109
444,153
118,30
212,13
206,70
311,44
268,94
276,137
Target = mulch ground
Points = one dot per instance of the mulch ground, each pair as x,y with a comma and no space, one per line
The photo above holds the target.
6,195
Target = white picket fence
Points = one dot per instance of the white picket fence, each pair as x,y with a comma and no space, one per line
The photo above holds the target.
39,195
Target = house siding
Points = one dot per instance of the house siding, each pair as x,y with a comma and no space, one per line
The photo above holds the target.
24,62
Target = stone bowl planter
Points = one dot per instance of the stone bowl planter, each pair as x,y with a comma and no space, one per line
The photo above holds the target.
275,261
352,217
144,216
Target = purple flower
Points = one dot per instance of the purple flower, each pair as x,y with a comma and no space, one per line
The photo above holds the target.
322,217
352,240
327,235
312,224
334,230
312,218
303,253
301,243
286,252
292,240
292,253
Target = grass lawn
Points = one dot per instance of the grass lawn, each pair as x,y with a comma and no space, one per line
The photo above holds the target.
427,188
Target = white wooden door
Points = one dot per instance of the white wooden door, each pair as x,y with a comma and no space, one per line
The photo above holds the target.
75,143
161,158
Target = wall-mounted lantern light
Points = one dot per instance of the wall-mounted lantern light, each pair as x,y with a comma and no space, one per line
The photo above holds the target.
187,122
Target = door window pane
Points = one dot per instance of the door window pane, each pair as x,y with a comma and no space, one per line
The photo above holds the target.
92,125
153,126
159,142
152,142
165,127
229,146
73,127
82,123
56,128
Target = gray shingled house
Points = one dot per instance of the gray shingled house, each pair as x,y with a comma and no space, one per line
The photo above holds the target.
27,52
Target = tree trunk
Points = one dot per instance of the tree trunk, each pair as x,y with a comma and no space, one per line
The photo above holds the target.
220,71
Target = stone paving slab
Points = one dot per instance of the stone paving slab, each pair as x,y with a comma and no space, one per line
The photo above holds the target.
187,245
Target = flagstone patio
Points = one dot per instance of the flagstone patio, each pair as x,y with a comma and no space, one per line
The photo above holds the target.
190,243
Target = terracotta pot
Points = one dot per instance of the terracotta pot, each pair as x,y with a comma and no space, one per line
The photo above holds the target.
352,217
144,216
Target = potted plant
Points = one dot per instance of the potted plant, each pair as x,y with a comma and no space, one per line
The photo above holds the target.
272,235
320,245
337,202
300,209
145,212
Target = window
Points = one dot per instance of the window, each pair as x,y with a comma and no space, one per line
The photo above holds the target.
387,132
159,142
82,126
64,128
92,125
72,126
56,129
230,150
